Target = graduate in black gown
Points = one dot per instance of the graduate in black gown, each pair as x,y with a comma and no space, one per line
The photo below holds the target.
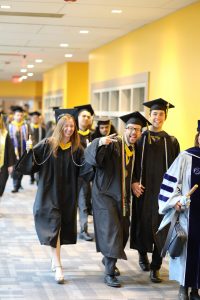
7,155
113,158
37,132
156,152
57,159
84,122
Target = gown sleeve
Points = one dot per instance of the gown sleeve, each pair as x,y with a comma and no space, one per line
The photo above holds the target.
31,161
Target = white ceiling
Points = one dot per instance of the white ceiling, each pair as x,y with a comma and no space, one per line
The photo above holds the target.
24,38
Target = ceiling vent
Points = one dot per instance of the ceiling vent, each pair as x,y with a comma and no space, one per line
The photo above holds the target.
29,14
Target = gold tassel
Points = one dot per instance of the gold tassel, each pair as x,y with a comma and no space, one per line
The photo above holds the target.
167,108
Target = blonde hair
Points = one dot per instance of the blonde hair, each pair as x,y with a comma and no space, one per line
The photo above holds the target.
57,135
196,143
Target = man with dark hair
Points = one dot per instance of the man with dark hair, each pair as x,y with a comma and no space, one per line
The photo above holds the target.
84,120
113,158
104,127
19,132
156,152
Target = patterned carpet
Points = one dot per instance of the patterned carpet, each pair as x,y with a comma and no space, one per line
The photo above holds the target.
25,264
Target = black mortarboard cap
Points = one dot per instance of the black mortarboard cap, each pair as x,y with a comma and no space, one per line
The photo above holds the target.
35,113
198,128
103,121
54,107
87,107
16,109
135,118
158,104
59,113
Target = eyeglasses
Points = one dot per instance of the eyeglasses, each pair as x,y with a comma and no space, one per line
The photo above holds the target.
133,129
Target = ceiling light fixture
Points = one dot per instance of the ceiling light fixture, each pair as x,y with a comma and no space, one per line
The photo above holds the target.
64,45
23,70
38,60
5,6
84,31
68,55
30,74
30,66
116,11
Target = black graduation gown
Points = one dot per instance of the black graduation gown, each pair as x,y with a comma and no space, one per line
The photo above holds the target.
9,160
107,198
55,206
145,217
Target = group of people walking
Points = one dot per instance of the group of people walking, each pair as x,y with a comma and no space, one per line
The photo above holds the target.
130,178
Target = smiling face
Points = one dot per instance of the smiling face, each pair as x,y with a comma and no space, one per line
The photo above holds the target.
132,133
157,119
68,129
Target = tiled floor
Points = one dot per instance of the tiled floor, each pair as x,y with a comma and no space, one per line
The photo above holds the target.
25,264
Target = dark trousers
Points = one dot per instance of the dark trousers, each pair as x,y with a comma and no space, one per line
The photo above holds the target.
156,258
17,178
84,192
110,263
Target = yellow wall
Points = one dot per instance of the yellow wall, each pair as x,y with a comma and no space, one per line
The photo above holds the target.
77,83
55,80
170,50
70,78
23,89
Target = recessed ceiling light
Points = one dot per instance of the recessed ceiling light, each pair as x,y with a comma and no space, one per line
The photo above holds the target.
84,31
64,45
30,66
30,74
38,60
23,77
23,70
68,55
116,11
5,6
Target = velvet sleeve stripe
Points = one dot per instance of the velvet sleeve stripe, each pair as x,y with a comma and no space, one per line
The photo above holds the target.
166,188
170,178
163,198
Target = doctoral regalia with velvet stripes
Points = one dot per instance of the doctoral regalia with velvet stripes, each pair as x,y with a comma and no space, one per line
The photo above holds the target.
183,174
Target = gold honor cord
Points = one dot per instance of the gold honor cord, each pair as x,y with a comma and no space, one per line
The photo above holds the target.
2,146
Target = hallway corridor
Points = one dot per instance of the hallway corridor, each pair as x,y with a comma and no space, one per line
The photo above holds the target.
25,264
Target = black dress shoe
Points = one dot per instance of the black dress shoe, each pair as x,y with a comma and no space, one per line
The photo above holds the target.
112,281
85,236
116,270
144,262
154,276
15,190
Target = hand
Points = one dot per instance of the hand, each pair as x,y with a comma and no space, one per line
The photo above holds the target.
29,144
106,140
178,206
10,170
137,188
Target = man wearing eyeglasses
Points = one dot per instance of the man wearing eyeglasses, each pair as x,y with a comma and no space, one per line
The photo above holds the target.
113,158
